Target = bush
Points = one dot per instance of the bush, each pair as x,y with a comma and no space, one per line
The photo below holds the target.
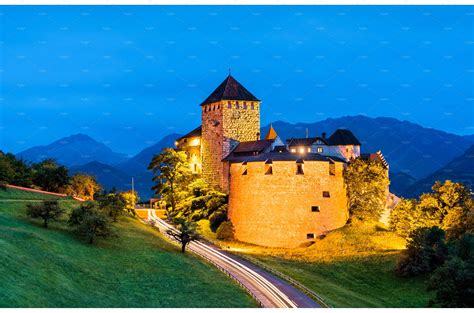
426,250
225,231
90,222
218,217
453,284
48,210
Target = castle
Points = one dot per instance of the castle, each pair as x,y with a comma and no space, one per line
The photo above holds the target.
281,194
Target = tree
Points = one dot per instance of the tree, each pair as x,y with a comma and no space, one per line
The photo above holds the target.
172,174
14,171
130,200
201,201
83,186
366,186
50,176
48,210
426,250
404,217
449,206
186,231
453,282
90,222
112,203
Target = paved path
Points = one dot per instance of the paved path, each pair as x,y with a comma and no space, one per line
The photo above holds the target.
269,290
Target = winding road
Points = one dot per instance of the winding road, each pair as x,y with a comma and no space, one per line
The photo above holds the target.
269,290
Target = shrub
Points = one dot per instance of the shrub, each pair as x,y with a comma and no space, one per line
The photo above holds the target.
218,217
225,231
453,284
48,210
426,250
90,222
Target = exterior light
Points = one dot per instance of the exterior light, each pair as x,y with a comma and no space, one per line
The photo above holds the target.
195,142
301,150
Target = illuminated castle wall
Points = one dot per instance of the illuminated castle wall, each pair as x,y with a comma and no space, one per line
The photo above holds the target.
280,194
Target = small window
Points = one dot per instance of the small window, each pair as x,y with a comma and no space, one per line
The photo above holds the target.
268,169
299,169
302,150
326,194
293,150
309,149
245,105
252,106
310,236
319,149
229,105
195,168
315,208
236,105
332,168
347,149
244,168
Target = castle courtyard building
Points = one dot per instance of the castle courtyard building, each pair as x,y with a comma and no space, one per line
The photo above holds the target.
281,194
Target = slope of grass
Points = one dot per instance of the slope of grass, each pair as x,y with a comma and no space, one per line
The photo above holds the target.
52,268
356,282
351,267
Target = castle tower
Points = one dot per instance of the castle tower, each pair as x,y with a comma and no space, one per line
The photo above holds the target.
231,114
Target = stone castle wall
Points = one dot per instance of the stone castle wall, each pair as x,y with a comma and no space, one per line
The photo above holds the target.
211,143
224,125
276,210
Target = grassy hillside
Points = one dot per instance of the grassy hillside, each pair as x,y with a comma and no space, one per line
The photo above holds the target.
351,267
51,268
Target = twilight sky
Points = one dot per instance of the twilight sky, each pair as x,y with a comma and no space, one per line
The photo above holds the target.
128,75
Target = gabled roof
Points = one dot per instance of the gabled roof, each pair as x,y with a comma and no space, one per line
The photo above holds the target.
343,137
252,146
230,89
194,133
271,134
301,141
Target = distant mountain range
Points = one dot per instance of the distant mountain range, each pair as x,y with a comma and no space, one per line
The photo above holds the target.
461,169
74,150
408,147
137,166
417,155
107,175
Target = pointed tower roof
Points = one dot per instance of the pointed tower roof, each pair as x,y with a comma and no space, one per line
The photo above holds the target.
271,134
230,89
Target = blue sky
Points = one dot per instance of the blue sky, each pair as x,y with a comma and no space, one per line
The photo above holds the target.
128,75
